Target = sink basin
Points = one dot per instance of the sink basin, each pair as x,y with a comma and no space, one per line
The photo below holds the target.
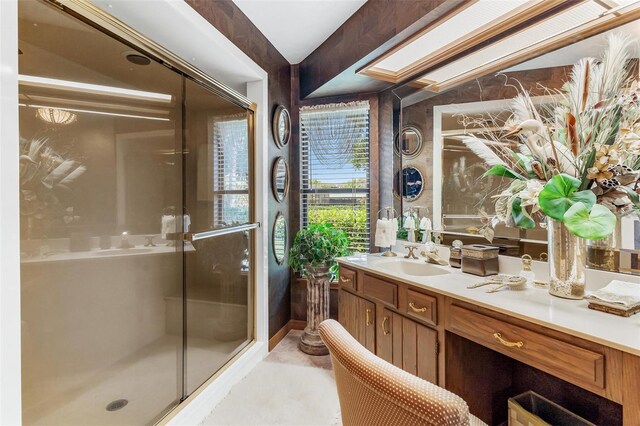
118,252
416,269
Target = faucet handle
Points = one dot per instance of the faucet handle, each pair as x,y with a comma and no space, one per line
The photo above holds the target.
150,242
411,251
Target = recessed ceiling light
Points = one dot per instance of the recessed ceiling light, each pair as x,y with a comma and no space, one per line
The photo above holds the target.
138,59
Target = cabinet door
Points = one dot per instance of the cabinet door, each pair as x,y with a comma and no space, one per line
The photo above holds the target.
358,317
367,324
419,350
347,312
384,335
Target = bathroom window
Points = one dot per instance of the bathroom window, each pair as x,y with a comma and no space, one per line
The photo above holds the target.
335,169
230,170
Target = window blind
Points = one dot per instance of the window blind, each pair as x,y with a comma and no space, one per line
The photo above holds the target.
334,143
231,171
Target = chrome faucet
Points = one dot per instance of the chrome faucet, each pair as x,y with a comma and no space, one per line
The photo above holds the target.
124,241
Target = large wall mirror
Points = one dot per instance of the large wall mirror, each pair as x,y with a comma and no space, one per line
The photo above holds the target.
280,179
279,238
462,199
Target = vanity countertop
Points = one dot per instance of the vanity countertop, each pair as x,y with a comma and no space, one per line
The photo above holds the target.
532,304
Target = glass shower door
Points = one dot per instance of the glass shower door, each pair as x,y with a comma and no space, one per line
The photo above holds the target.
100,165
218,197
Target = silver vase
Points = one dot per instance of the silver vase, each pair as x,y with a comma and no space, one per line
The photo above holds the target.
567,262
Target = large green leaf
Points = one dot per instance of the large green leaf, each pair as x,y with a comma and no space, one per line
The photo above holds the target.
501,170
560,193
520,216
591,225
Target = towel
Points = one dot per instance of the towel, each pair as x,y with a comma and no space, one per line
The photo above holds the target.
386,230
620,294
409,223
425,226
168,225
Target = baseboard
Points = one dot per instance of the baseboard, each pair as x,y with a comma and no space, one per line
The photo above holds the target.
198,406
298,324
280,334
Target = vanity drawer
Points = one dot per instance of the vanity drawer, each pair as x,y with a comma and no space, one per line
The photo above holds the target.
347,278
564,360
421,306
381,290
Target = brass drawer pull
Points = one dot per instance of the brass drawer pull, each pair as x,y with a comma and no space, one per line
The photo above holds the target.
345,280
507,343
384,330
368,322
415,309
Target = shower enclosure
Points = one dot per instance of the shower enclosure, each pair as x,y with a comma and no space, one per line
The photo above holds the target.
137,223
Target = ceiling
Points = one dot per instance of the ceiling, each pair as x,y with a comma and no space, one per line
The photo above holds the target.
297,27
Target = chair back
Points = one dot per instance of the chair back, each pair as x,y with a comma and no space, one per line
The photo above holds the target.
375,392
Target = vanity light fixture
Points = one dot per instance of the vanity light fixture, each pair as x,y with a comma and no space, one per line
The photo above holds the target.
463,27
495,37
75,86
587,19
56,115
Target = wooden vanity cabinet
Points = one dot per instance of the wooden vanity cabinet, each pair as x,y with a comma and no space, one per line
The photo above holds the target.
377,318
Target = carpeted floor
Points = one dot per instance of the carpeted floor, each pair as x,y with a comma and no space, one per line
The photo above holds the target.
288,388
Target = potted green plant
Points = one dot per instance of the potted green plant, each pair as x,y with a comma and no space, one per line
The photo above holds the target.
313,255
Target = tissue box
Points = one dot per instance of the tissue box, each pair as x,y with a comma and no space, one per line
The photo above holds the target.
479,259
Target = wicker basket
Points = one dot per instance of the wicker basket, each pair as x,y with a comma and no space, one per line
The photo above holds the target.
531,409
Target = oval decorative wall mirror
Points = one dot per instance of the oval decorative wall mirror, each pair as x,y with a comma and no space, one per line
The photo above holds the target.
280,179
412,183
281,126
411,142
279,238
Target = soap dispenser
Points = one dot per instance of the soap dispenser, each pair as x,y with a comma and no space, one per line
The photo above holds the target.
526,271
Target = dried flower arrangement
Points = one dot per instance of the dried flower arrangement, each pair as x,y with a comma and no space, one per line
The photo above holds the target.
575,159
45,177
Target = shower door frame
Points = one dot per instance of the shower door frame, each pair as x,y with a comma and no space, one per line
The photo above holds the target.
247,357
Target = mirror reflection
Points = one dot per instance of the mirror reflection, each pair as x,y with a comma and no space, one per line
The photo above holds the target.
280,238
411,142
281,126
482,108
411,184
280,179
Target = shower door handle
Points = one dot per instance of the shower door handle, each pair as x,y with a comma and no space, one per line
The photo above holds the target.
195,236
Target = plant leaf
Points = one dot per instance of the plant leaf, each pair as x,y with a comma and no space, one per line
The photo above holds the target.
591,225
501,170
560,193
633,195
520,216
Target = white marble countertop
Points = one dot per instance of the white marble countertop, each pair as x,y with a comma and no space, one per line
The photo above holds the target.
532,304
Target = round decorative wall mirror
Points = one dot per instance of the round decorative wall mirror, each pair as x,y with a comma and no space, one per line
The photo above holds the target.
412,183
279,238
281,126
411,142
280,179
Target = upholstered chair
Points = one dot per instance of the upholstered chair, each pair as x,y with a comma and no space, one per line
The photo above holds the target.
374,392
